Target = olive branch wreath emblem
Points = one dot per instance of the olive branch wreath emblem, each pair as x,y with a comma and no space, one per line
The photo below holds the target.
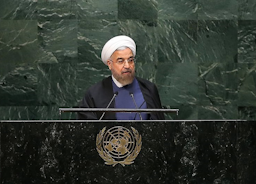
108,158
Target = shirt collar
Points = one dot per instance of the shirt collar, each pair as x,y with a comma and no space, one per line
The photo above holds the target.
118,84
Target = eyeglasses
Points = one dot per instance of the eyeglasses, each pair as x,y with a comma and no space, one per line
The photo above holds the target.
130,61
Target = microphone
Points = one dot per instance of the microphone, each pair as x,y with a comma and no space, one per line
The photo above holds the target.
135,105
114,96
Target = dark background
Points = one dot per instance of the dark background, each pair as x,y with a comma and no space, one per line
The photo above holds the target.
200,53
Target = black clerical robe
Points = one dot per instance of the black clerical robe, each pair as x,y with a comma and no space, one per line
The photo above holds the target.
100,94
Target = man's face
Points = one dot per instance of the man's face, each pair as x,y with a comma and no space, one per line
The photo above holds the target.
123,73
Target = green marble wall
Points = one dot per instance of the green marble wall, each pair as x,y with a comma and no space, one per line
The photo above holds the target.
200,53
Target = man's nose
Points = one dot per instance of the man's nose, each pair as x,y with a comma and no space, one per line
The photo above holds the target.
127,64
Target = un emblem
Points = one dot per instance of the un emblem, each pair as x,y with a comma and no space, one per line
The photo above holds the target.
118,145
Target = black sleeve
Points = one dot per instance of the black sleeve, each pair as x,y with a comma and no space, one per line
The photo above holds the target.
98,96
151,96
87,102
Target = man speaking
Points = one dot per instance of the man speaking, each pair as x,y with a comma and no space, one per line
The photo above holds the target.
122,89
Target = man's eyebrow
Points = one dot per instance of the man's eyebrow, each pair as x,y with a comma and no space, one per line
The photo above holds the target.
123,58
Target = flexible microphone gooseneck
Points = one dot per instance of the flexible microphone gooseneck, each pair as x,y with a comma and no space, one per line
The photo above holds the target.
139,108
135,105
114,96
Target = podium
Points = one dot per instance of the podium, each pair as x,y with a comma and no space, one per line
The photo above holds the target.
172,151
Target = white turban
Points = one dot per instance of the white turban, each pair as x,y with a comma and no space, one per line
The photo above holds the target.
114,43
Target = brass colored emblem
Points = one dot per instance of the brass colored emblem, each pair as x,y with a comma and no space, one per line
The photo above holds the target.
118,145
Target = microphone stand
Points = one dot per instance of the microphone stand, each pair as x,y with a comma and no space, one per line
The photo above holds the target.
135,105
114,96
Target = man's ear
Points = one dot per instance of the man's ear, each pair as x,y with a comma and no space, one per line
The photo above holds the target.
109,64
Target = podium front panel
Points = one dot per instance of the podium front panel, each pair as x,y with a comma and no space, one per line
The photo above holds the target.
171,152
